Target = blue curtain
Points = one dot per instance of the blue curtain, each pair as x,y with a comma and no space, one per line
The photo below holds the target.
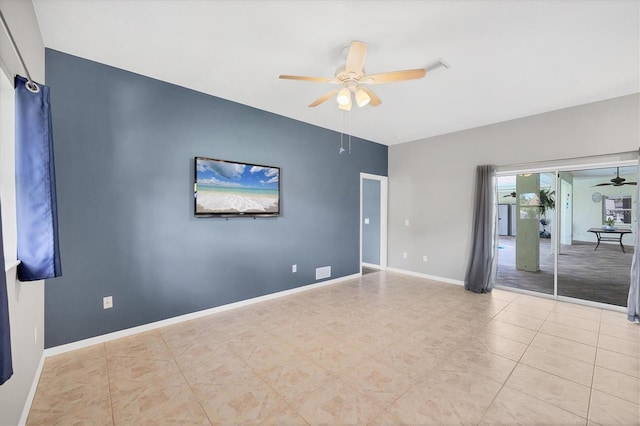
633,302
6,367
36,209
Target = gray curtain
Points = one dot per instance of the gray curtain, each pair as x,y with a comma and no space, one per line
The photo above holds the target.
633,303
481,268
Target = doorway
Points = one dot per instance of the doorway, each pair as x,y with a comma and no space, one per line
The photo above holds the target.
373,222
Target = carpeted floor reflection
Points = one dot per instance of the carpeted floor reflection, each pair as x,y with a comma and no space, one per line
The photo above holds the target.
599,276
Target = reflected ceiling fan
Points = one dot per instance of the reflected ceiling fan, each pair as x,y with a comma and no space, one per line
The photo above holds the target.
617,181
353,79
512,194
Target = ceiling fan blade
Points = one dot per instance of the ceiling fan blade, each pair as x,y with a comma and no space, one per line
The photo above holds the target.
323,98
375,100
306,78
603,184
393,76
356,56
630,183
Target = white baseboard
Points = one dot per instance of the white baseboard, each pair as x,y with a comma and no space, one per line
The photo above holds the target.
56,350
426,276
32,393
371,265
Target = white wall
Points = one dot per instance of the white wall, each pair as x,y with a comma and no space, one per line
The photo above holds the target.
588,214
26,300
431,181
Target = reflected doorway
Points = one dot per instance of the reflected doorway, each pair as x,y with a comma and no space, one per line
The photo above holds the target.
526,204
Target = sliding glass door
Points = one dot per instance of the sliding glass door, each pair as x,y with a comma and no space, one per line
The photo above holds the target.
568,233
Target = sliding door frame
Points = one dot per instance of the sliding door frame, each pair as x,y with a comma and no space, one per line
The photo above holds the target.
555,167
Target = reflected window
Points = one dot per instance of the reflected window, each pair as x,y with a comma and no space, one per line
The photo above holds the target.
617,207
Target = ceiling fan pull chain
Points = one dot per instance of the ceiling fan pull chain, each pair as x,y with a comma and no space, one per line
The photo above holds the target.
341,150
349,132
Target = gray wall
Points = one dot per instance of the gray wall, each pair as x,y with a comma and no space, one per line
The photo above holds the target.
431,181
124,149
26,300
371,231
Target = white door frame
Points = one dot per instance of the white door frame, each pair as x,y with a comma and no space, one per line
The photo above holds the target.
384,185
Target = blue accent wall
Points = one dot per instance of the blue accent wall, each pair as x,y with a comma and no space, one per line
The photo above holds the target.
124,149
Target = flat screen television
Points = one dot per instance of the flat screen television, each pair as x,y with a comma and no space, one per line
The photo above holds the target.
226,188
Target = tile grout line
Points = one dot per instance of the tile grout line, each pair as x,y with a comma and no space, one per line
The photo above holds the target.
593,373
533,396
413,385
79,409
516,366
173,357
287,403
349,385
106,363
511,372
555,375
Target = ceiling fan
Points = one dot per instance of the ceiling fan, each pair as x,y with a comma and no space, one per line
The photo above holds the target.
617,181
512,194
354,79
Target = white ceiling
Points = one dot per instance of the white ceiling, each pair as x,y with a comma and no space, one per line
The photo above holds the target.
508,59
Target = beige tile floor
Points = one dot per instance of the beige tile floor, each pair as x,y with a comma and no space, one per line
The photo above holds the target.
382,349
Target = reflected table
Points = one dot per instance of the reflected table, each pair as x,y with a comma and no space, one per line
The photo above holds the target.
600,237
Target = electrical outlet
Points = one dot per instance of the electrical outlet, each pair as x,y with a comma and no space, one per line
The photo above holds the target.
294,268
107,302
424,258
404,254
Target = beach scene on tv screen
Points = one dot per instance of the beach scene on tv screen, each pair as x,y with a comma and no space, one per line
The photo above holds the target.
226,187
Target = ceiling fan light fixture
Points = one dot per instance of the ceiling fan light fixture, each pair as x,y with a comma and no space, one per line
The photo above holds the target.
344,97
362,98
347,106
